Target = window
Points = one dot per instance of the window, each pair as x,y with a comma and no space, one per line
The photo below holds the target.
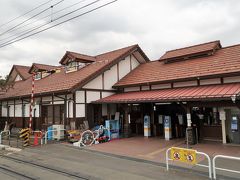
38,76
71,66
74,66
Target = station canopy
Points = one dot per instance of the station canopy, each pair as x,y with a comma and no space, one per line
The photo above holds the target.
210,92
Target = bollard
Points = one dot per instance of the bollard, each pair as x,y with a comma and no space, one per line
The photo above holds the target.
25,136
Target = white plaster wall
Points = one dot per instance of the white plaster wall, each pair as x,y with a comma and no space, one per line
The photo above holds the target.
11,110
80,97
18,110
185,84
124,67
4,109
161,86
110,77
105,94
92,96
80,110
95,83
135,62
26,110
231,79
129,89
4,112
69,106
70,109
210,81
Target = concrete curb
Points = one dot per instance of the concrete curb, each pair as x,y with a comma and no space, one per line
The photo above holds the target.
2,147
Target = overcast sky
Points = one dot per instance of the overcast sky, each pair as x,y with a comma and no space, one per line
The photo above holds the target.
156,25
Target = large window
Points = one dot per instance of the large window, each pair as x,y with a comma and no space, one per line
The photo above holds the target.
53,114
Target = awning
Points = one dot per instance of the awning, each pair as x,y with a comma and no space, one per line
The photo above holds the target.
210,92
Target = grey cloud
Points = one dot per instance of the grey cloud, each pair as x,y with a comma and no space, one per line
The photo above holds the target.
156,25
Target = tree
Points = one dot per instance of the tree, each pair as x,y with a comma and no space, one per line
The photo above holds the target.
3,81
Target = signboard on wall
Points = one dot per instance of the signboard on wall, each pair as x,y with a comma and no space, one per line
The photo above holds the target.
234,123
167,128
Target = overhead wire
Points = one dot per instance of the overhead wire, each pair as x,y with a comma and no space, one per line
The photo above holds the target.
4,24
37,27
82,14
30,23
44,10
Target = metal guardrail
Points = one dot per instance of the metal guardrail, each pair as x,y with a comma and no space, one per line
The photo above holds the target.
53,130
223,169
209,166
1,135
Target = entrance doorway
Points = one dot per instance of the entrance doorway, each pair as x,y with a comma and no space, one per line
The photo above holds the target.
157,113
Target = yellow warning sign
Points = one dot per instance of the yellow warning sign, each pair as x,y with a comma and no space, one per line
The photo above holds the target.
183,155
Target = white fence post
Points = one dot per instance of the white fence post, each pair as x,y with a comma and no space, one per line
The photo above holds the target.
209,166
209,163
2,133
223,169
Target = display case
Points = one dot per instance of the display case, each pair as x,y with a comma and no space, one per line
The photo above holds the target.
113,126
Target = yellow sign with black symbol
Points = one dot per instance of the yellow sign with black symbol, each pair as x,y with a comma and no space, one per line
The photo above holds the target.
25,136
183,155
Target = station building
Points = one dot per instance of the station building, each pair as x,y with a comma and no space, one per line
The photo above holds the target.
63,94
196,86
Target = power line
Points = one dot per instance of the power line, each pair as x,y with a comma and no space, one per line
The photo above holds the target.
37,27
56,12
31,17
82,14
4,24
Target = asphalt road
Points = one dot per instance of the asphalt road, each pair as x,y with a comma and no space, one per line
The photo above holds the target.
59,161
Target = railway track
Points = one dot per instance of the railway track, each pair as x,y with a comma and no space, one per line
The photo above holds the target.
14,173
45,167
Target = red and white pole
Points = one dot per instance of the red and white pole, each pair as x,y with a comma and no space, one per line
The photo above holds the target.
32,102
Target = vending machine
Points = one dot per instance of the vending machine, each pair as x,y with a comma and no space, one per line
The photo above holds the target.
235,123
113,126
167,128
147,126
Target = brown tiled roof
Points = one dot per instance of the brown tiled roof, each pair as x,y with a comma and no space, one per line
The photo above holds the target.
44,67
23,71
225,60
196,49
225,91
62,81
77,57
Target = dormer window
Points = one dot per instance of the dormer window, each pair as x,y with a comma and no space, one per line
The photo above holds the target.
38,76
71,66
74,61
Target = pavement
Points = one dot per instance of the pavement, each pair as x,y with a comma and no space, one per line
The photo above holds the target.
63,161
154,150
130,158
